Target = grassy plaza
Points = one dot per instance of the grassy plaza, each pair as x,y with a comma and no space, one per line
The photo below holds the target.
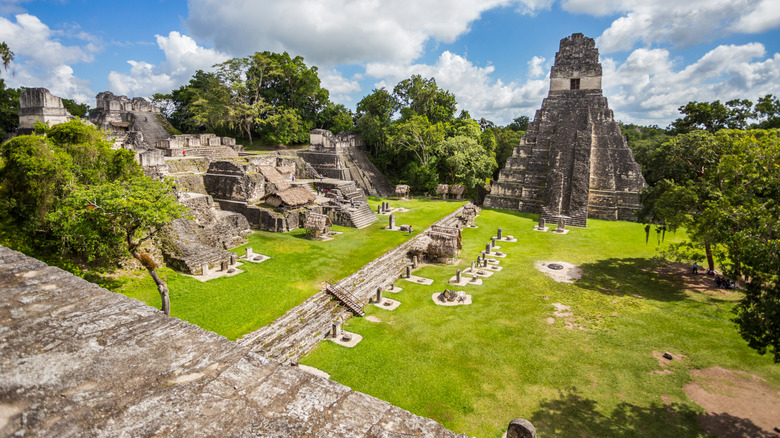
591,373
234,306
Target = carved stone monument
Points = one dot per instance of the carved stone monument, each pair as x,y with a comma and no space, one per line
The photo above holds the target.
573,160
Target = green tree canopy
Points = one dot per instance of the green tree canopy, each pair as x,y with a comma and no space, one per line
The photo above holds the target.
724,188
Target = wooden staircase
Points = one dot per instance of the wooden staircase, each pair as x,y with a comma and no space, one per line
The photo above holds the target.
346,298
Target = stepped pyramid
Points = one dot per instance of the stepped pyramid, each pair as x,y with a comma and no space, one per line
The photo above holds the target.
573,161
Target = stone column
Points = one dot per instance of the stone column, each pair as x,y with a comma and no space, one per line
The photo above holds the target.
484,263
542,223
493,242
392,286
472,266
335,330
414,261
458,276
498,234
488,249
249,252
223,265
205,269
562,224
408,271
378,299
392,221
474,278
232,259
378,209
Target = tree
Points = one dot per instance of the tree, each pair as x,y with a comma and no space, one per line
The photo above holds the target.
9,109
767,111
336,118
79,110
420,96
724,188
373,118
100,220
6,55
519,124
466,161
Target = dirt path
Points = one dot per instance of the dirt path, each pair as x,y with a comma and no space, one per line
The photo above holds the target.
738,404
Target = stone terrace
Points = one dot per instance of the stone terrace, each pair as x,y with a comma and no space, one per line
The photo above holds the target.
303,327
78,360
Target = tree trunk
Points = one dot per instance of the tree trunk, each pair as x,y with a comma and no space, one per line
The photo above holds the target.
163,289
710,260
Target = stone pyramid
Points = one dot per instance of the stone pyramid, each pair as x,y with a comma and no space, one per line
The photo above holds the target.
573,162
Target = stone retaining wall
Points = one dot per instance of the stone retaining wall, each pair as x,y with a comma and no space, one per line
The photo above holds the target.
79,360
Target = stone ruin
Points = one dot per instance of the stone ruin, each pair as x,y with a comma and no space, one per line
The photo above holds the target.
344,157
456,190
38,104
202,145
132,123
573,161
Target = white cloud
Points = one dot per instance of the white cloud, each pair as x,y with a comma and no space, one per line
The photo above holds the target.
31,39
183,56
42,60
682,24
332,32
765,16
535,67
339,87
475,90
648,87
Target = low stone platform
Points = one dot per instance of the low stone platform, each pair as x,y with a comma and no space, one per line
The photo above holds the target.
79,360
466,301
255,258
388,304
480,272
419,280
353,340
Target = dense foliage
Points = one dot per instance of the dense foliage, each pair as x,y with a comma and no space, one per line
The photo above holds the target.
735,114
9,109
69,196
426,144
270,96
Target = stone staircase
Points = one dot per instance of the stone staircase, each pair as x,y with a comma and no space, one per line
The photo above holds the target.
302,328
365,174
152,130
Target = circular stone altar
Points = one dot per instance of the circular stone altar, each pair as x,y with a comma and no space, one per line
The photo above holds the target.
561,272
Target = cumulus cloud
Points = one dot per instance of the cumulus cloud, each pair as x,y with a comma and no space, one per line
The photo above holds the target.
28,37
339,87
535,67
333,32
649,87
476,91
682,24
183,56
43,60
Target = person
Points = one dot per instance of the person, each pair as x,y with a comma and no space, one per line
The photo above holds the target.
183,153
351,202
145,119
410,230
293,178
695,269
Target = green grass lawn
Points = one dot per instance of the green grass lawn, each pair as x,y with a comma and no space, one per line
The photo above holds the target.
475,368
234,306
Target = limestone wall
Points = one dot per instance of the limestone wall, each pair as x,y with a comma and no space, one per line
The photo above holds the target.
79,360
38,104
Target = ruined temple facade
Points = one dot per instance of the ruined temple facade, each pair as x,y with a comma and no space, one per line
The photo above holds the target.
38,104
573,162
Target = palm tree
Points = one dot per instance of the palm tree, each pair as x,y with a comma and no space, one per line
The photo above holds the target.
6,55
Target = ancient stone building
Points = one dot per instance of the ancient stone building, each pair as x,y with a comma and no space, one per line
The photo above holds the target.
573,162
343,157
38,104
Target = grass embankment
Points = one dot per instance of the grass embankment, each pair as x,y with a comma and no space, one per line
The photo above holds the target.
234,306
475,368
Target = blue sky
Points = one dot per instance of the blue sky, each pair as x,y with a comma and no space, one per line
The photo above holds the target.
494,55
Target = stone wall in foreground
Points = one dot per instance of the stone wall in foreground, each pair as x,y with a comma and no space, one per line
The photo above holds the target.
78,360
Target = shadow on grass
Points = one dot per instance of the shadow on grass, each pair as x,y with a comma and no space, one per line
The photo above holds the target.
572,415
629,276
